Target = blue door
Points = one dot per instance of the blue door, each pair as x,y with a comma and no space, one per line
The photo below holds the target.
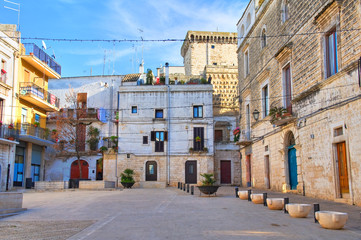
292,166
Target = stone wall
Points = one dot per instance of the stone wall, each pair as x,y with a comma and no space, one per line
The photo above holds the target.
51,186
320,104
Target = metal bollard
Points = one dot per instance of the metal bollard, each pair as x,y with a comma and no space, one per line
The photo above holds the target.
192,190
236,190
286,201
316,208
187,188
184,187
265,199
178,185
249,195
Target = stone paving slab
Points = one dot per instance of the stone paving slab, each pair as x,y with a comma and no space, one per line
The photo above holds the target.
159,214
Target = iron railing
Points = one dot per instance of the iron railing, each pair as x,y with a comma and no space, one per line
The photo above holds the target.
31,130
33,49
28,88
9,132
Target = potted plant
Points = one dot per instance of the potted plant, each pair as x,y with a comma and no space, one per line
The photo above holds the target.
126,178
208,186
198,139
46,132
11,126
93,134
103,149
36,124
276,113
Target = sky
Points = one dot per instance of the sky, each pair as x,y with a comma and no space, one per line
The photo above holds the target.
118,19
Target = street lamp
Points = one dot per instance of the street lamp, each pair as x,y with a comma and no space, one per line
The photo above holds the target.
255,114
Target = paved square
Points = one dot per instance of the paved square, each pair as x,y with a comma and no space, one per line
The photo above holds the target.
155,214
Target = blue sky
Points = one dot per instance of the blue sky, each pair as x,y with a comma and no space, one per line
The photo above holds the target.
118,19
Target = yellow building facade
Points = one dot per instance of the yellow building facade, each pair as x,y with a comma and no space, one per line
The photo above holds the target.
33,103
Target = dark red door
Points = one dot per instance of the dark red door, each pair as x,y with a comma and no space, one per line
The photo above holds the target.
248,170
75,171
226,172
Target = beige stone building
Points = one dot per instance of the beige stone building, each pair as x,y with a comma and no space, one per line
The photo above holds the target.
299,71
212,56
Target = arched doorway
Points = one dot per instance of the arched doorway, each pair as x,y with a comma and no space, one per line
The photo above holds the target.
292,160
75,170
151,171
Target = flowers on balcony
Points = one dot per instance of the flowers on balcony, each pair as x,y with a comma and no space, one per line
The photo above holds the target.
1,123
36,124
198,139
11,126
277,113
236,134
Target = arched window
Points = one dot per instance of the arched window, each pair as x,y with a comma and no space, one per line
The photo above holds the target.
242,31
285,10
263,38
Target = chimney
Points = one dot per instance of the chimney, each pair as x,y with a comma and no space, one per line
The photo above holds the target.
166,73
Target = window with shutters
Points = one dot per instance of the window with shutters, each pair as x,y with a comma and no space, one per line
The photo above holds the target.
331,53
218,135
198,138
145,139
197,111
159,137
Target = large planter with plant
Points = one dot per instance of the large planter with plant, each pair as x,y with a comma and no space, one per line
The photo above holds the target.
208,186
126,178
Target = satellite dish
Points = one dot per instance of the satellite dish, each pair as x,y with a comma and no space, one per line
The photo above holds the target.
44,45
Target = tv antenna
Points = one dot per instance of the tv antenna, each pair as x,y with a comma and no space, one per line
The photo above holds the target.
141,37
14,9
43,44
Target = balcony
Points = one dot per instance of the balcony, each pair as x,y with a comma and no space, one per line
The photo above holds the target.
36,135
39,96
41,60
281,116
245,138
8,134
87,115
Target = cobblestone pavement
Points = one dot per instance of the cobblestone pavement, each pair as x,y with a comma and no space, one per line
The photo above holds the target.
164,214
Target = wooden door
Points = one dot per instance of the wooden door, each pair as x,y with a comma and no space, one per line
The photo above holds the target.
191,172
267,172
75,171
151,171
292,167
248,170
226,176
342,167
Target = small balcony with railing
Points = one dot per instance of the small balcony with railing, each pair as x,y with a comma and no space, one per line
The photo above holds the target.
281,116
35,134
8,133
39,96
38,58
86,115
244,138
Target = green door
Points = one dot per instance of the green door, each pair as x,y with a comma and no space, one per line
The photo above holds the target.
292,165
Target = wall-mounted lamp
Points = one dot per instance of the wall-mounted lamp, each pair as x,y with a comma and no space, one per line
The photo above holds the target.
256,114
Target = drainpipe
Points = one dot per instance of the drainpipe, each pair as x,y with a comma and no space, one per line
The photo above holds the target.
168,120
116,155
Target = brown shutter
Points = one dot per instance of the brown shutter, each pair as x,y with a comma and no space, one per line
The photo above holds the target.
152,136
166,136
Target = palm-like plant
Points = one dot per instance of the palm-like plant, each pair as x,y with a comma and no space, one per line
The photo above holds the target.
208,179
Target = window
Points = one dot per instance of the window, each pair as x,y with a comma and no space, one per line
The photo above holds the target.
24,113
1,109
285,11
265,101
263,38
248,21
198,111
218,136
338,132
215,64
35,172
145,139
331,53
198,138
212,46
246,63
159,113
159,137
287,88
37,117
134,109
